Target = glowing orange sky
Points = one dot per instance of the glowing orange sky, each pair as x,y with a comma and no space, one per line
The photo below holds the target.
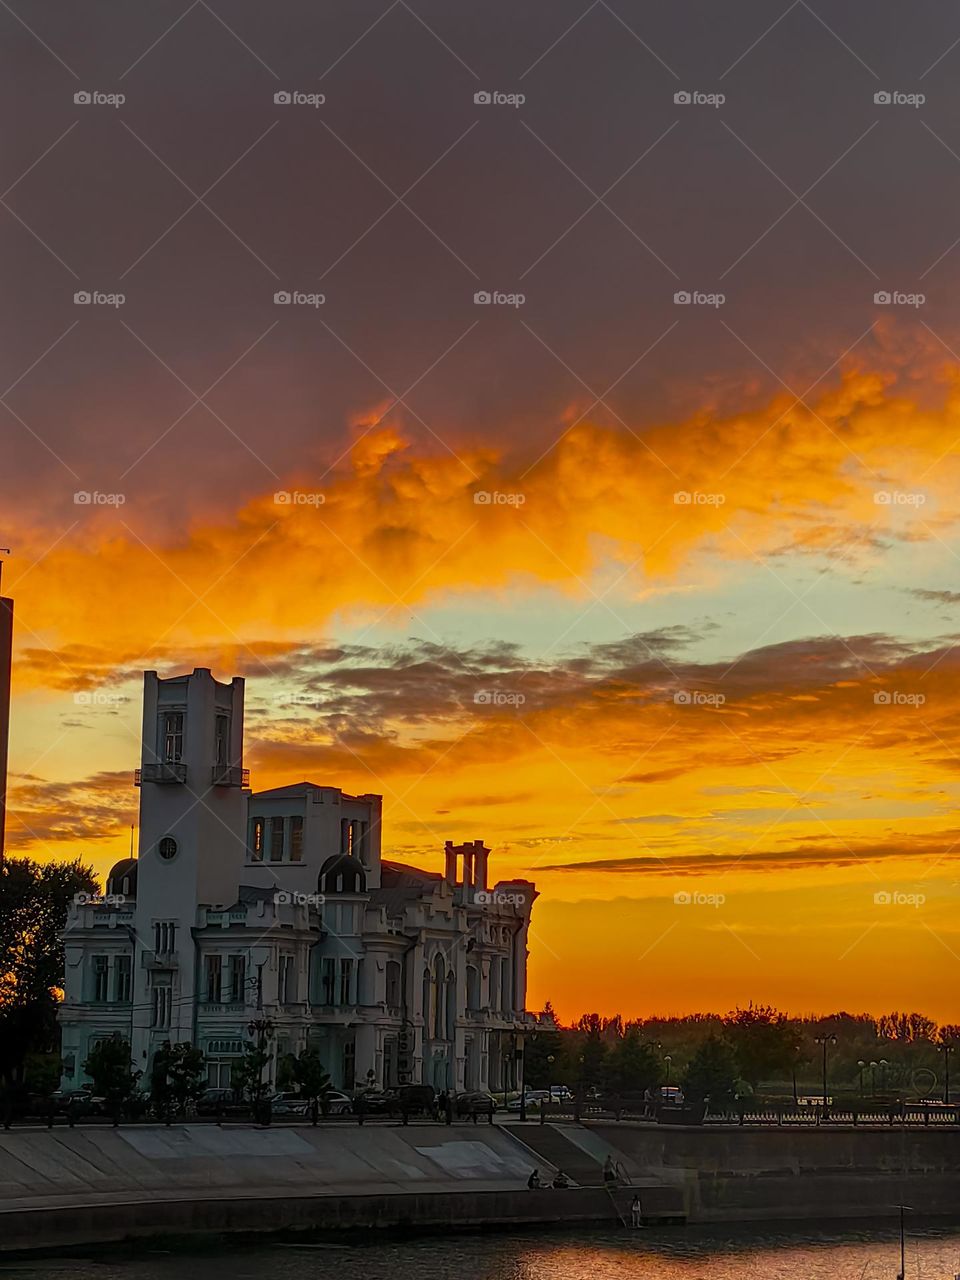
810,816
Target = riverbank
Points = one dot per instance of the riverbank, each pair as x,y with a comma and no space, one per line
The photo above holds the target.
94,1185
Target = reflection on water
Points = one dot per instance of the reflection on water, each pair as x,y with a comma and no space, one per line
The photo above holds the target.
868,1253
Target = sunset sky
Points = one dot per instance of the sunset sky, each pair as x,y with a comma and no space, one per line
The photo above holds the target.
702,640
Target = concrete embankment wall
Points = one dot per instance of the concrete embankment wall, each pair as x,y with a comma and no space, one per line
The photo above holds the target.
97,1184
742,1174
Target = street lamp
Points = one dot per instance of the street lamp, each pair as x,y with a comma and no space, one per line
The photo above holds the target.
824,1041
883,1064
860,1066
260,1029
668,1060
946,1048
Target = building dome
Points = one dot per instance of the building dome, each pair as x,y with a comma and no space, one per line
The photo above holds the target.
122,879
342,874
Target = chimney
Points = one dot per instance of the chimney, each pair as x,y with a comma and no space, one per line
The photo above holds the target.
450,863
481,856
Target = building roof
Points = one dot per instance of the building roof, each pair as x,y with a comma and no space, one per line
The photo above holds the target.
293,789
401,885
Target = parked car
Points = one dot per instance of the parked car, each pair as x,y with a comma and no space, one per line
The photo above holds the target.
337,1103
221,1102
79,1102
289,1104
475,1103
411,1099
370,1102
533,1100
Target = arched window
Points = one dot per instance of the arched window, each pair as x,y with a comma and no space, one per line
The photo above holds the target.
473,987
439,998
427,1003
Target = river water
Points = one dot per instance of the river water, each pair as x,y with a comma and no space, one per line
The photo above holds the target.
848,1253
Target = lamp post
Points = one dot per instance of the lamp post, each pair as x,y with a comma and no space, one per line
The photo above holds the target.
824,1042
883,1064
946,1047
873,1079
262,1030
668,1060
860,1066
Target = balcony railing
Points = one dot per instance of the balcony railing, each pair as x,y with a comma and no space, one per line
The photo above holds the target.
168,771
230,775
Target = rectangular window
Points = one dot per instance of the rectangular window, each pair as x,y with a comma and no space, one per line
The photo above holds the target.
346,978
101,978
164,937
256,839
214,972
285,979
296,839
276,839
122,969
162,1005
238,979
172,733
223,740
326,980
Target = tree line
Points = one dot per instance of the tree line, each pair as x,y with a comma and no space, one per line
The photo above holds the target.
757,1052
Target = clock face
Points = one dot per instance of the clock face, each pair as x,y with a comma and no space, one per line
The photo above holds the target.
167,848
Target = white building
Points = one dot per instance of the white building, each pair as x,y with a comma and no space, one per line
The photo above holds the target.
278,906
